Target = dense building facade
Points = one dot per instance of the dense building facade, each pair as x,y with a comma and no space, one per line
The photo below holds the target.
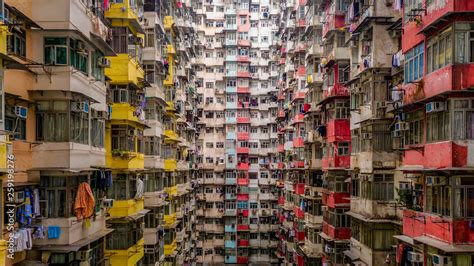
99,111
250,132
237,174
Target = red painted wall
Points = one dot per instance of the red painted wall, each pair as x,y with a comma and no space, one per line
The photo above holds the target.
331,199
444,229
437,155
336,233
338,130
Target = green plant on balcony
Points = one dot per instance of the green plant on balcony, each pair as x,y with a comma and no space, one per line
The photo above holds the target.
126,155
405,198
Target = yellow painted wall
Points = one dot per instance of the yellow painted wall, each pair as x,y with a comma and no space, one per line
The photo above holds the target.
128,257
122,208
124,70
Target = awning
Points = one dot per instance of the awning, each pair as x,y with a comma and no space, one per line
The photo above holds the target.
405,239
367,219
102,45
448,248
76,245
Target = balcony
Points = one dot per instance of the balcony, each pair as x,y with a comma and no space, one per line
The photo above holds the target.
170,165
124,11
243,74
230,181
242,136
240,228
170,248
74,230
440,9
242,150
243,181
338,130
333,22
243,243
230,120
298,212
243,120
132,73
450,78
229,42
242,259
243,89
446,229
230,212
299,188
298,142
230,228
229,89
335,199
336,232
439,155
168,22
130,256
123,208
230,259
58,155
242,196
230,244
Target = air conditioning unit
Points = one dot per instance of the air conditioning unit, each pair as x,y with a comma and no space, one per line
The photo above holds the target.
382,104
433,107
21,111
104,62
402,126
415,257
83,255
107,203
102,114
80,107
439,260
396,134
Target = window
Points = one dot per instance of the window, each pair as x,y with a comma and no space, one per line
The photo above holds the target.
383,187
438,126
463,197
343,149
56,51
219,145
464,42
57,195
414,134
16,42
97,132
438,195
414,65
125,235
439,51
124,138
463,119
52,121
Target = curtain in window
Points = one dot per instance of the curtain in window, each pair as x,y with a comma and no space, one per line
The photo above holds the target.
469,125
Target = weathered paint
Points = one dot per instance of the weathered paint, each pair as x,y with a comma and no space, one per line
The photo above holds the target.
333,199
338,130
441,228
336,233
437,155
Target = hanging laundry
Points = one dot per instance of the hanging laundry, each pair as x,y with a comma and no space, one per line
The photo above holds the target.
140,187
85,202
306,107
39,232
54,232
28,240
397,5
27,206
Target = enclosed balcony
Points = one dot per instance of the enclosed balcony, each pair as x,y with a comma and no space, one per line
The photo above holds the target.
439,155
420,225
339,233
334,199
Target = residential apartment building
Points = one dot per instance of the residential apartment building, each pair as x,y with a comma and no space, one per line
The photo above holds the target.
435,113
237,175
251,132
99,103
